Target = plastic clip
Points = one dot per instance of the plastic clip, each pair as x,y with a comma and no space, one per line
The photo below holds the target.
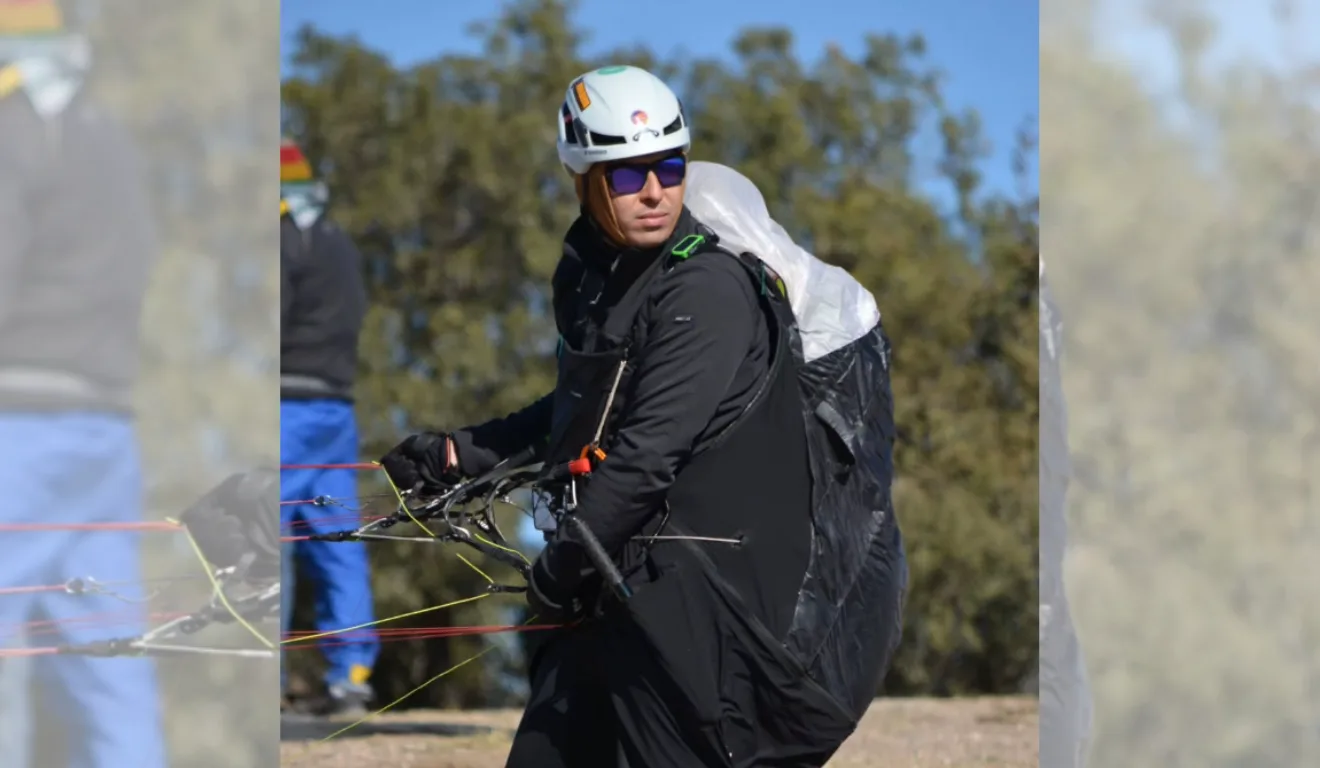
582,465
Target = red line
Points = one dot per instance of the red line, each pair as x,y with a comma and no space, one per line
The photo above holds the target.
353,519
363,465
57,626
400,635
140,526
29,590
415,632
20,652
439,632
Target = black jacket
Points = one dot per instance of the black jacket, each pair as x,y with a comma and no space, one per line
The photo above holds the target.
686,362
76,250
323,301
703,347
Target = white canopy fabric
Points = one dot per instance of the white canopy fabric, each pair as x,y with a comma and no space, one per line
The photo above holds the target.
832,309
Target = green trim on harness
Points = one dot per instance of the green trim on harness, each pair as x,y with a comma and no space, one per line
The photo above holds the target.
778,281
687,246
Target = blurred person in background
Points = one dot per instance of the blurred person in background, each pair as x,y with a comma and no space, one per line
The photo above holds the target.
322,306
76,251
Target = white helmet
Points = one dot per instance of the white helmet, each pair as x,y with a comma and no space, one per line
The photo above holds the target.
616,113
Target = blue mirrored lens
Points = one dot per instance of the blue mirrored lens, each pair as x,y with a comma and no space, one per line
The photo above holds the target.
670,171
628,179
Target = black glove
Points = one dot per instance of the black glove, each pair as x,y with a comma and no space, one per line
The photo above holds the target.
546,600
554,584
238,517
428,459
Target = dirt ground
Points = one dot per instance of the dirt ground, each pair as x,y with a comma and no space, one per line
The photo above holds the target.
897,733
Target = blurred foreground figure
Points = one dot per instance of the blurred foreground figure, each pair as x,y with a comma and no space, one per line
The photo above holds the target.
718,408
1065,696
322,305
236,525
76,249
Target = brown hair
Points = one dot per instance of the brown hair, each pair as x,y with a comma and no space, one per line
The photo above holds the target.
593,192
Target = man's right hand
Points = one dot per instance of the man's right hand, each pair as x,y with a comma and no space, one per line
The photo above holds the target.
428,459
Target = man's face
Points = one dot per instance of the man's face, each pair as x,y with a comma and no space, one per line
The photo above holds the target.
648,216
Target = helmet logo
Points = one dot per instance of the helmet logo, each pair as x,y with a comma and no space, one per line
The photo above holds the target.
639,118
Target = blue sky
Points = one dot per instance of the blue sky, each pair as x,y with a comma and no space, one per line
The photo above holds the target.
989,50
1247,31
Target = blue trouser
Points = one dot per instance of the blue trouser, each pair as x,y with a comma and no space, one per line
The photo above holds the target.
325,432
79,468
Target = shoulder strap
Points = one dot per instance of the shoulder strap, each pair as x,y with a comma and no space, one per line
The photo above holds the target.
771,292
701,241
768,282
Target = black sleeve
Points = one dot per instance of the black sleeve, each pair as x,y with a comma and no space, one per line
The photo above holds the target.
481,447
700,328
290,246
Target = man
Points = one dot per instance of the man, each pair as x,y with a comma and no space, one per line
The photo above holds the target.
76,250
1065,700
322,305
678,386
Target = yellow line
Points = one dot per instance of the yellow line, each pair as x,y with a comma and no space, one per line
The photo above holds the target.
402,504
215,585
399,700
410,614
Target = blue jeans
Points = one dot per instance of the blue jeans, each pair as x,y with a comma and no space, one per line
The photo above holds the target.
325,432
79,468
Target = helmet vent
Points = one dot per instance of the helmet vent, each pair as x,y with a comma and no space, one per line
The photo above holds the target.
601,140
570,133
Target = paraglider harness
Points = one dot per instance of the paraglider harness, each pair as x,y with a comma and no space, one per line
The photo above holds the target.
584,410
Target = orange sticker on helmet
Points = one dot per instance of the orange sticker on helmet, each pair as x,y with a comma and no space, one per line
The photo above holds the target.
580,93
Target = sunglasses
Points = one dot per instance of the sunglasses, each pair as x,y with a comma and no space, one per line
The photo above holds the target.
628,179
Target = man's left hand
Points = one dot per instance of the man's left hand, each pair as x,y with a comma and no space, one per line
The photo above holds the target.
548,597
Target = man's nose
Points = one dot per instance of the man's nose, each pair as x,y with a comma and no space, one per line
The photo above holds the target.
652,191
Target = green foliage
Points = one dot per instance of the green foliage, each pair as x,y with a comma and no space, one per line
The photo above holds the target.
446,174
1184,222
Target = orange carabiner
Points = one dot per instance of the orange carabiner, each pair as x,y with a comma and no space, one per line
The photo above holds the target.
582,464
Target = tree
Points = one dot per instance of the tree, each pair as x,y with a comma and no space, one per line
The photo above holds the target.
1183,220
446,175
